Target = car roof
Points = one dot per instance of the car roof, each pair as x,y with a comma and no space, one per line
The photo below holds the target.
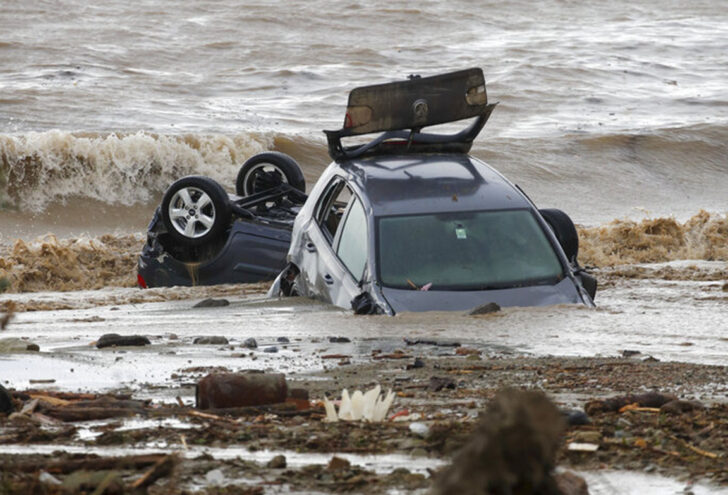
431,183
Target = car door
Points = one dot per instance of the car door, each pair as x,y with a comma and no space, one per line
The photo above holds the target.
335,246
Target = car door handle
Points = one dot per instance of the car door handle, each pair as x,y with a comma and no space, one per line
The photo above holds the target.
310,247
328,279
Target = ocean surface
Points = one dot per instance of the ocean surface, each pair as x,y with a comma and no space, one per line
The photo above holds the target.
608,111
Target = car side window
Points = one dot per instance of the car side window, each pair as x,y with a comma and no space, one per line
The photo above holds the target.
352,240
332,207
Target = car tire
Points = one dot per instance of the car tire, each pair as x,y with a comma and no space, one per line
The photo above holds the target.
195,210
266,171
564,229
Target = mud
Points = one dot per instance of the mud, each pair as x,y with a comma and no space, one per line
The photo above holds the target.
235,450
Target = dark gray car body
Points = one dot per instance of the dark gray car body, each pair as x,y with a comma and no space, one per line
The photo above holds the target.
413,184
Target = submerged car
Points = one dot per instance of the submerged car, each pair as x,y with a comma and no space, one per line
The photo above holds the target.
405,222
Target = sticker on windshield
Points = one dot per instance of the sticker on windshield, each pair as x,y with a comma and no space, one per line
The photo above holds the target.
460,232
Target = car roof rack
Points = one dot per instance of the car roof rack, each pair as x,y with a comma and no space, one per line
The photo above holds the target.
402,109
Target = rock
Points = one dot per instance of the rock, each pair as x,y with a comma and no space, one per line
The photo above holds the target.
569,483
4,284
13,344
224,390
485,309
283,340
576,418
6,401
418,363
437,343
116,340
512,450
681,406
628,353
271,349
278,462
438,383
338,464
339,340
212,303
212,340
250,343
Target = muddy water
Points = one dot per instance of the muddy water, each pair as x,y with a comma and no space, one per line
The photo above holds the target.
667,319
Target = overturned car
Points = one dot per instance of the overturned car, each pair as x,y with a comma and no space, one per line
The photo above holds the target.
405,222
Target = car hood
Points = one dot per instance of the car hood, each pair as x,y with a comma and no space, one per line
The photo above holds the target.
564,292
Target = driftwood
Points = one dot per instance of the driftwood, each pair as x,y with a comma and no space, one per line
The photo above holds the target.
163,467
89,464
72,413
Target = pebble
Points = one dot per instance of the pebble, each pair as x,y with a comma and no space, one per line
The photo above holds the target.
115,340
283,340
339,340
576,418
278,462
486,308
212,303
211,340
271,349
250,343
418,363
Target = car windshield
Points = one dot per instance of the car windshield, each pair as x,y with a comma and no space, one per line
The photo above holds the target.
465,251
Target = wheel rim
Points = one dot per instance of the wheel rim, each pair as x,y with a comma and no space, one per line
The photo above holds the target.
191,212
263,176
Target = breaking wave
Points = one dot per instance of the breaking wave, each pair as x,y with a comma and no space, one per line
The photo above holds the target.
38,169
623,242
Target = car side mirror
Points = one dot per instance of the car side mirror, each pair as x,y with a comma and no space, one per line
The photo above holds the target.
564,230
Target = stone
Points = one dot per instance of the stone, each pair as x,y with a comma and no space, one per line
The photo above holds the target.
576,418
271,349
437,343
250,343
485,309
438,383
225,390
116,340
338,464
212,303
418,363
278,462
339,340
283,340
211,340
